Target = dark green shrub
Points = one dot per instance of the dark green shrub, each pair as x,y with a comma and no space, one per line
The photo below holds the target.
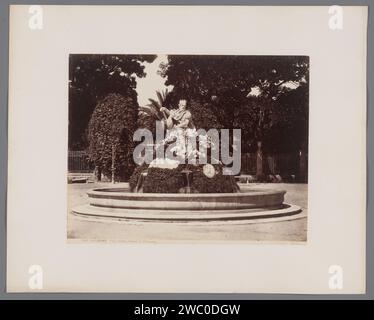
110,133
218,184
160,180
133,180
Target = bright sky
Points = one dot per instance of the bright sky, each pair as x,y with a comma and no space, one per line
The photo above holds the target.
147,86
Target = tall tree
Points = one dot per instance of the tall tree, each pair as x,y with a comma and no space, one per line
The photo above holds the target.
110,134
91,78
213,76
255,93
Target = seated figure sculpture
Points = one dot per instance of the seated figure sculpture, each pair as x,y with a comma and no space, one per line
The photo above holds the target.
180,128
170,170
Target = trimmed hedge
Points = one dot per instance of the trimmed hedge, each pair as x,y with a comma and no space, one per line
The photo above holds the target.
133,181
160,180
218,184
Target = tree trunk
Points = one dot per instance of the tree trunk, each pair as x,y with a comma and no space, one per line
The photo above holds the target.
98,173
259,163
303,171
113,162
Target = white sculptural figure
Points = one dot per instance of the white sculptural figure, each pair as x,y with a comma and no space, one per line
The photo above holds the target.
180,129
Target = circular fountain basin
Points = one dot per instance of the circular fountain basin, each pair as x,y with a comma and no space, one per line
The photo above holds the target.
173,207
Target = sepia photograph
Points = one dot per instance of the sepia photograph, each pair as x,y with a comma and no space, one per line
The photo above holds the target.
188,147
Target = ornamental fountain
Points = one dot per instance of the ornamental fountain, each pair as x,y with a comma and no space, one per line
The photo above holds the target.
186,199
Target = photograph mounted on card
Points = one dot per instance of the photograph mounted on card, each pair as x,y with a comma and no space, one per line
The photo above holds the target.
187,149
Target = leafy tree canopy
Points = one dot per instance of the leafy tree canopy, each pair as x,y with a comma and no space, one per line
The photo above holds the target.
91,78
100,74
110,134
209,76
266,96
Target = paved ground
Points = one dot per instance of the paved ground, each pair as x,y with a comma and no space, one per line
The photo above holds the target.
88,229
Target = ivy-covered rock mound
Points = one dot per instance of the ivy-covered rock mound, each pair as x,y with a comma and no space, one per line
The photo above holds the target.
159,180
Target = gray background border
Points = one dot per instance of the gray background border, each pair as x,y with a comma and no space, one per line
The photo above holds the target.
4,46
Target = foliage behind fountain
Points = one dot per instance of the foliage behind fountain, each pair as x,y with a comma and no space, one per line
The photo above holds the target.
159,180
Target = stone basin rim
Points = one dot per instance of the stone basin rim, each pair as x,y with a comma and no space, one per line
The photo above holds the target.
244,193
